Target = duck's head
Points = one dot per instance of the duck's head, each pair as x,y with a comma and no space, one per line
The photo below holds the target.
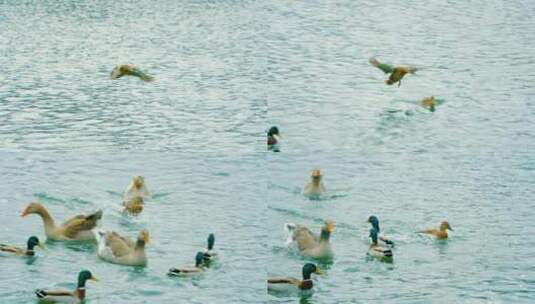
374,234
211,241
83,276
32,242
309,269
33,207
316,175
143,237
374,221
199,259
445,225
273,131
138,181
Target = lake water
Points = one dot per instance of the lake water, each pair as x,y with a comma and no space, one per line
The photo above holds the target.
227,70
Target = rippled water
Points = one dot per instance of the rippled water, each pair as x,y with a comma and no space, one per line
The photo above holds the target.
226,71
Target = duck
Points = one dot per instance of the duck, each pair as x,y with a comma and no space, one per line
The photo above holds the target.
26,252
66,296
441,233
209,253
429,103
129,70
374,221
376,250
310,244
136,188
273,139
315,186
77,228
134,206
293,284
117,249
200,261
396,72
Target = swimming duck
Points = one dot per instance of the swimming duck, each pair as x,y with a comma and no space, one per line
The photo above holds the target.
200,260
32,242
65,296
77,228
315,186
396,73
293,284
273,139
310,244
429,103
377,251
137,187
129,69
209,253
117,249
374,221
134,206
441,233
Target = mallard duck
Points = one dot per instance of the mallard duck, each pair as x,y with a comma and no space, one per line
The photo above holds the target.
129,69
396,73
377,251
310,244
32,242
200,260
441,233
209,252
293,284
116,249
65,296
273,139
133,206
77,228
315,186
136,188
374,221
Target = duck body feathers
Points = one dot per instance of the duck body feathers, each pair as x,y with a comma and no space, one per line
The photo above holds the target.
117,249
308,243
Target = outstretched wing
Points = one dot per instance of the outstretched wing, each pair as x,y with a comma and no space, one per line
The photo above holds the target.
386,68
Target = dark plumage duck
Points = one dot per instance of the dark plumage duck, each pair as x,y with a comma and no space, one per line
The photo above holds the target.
209,253
129,70
273,139
28,251
396,72
374,221
66,296
286,284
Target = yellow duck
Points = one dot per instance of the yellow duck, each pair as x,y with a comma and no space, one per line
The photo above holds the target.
285,284
66,296
117,249
77,228
310,244
315,186
396,72
129,70
200,264
441,233
136,188
27,252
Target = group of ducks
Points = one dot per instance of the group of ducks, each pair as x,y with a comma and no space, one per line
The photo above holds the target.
112,247
317,246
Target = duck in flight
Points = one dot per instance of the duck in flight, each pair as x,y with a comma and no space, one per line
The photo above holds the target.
129,70
396,72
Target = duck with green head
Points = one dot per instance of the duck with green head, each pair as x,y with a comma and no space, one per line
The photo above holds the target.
66,296
209,253
273,139
200,262
27,252
374,221
378,251
286,284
